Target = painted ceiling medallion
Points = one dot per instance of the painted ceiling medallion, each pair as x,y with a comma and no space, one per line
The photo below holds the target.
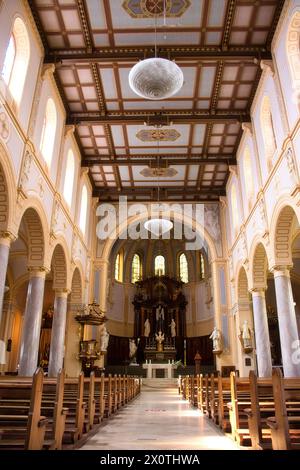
159,172
155,135
155,8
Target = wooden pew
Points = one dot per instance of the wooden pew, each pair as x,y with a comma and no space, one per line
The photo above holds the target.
51,406
89,398
23,431
262,406
224,397
214,398
285,425
240,400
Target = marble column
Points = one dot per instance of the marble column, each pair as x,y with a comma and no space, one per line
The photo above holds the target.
32,323
262,338
58,333
103,281
5,241
287,322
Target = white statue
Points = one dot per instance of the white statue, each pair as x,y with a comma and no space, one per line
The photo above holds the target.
246,335
132,348
104,339
216,336
173,328
147,328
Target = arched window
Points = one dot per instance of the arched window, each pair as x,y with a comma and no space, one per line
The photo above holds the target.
48,131
9,61
17,60
117,267
248,176
83,209
202,266
69,178
293,54
159,266
136,268
267,127
234,209
183,268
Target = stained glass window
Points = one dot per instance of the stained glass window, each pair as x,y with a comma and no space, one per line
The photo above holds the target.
202,266
183,268
159,266
117,268
136,268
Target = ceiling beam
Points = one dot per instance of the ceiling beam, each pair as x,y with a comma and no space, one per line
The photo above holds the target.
151,160
153,192
165,118
120,54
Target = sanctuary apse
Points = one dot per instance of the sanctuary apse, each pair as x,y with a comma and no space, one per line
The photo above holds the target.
82,315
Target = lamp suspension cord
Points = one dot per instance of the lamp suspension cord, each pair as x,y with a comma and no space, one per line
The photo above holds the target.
155,36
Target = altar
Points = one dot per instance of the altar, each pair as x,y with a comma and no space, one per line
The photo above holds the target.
152,368
159,306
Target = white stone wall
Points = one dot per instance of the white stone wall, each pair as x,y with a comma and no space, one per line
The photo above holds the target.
274,188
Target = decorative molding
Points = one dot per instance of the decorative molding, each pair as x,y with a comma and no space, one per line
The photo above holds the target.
34,28
41,186
247,128
25,172
233,169
69,130
47,71
156,9
4,125
158,135
268,66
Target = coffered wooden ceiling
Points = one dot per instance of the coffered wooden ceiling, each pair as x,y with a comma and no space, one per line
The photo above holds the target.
184,144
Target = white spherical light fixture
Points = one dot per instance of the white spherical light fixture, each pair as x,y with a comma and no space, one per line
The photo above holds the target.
158,226
156,78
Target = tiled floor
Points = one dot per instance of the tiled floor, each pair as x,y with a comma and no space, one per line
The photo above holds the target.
158,419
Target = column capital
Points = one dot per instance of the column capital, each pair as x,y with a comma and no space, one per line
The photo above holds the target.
258,291
62,293
38,271
101,263
278,270
6,238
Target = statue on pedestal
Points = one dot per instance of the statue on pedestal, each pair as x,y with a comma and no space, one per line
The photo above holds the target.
173,328
147,328
133,350
216,336
104,339
246,338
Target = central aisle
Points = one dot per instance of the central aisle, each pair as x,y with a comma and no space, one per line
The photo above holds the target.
158,419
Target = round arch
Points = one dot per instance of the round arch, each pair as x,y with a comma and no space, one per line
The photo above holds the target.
37,232
109,242
242,288
76,295
282,225
259,264
61,248
8,192
60,268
